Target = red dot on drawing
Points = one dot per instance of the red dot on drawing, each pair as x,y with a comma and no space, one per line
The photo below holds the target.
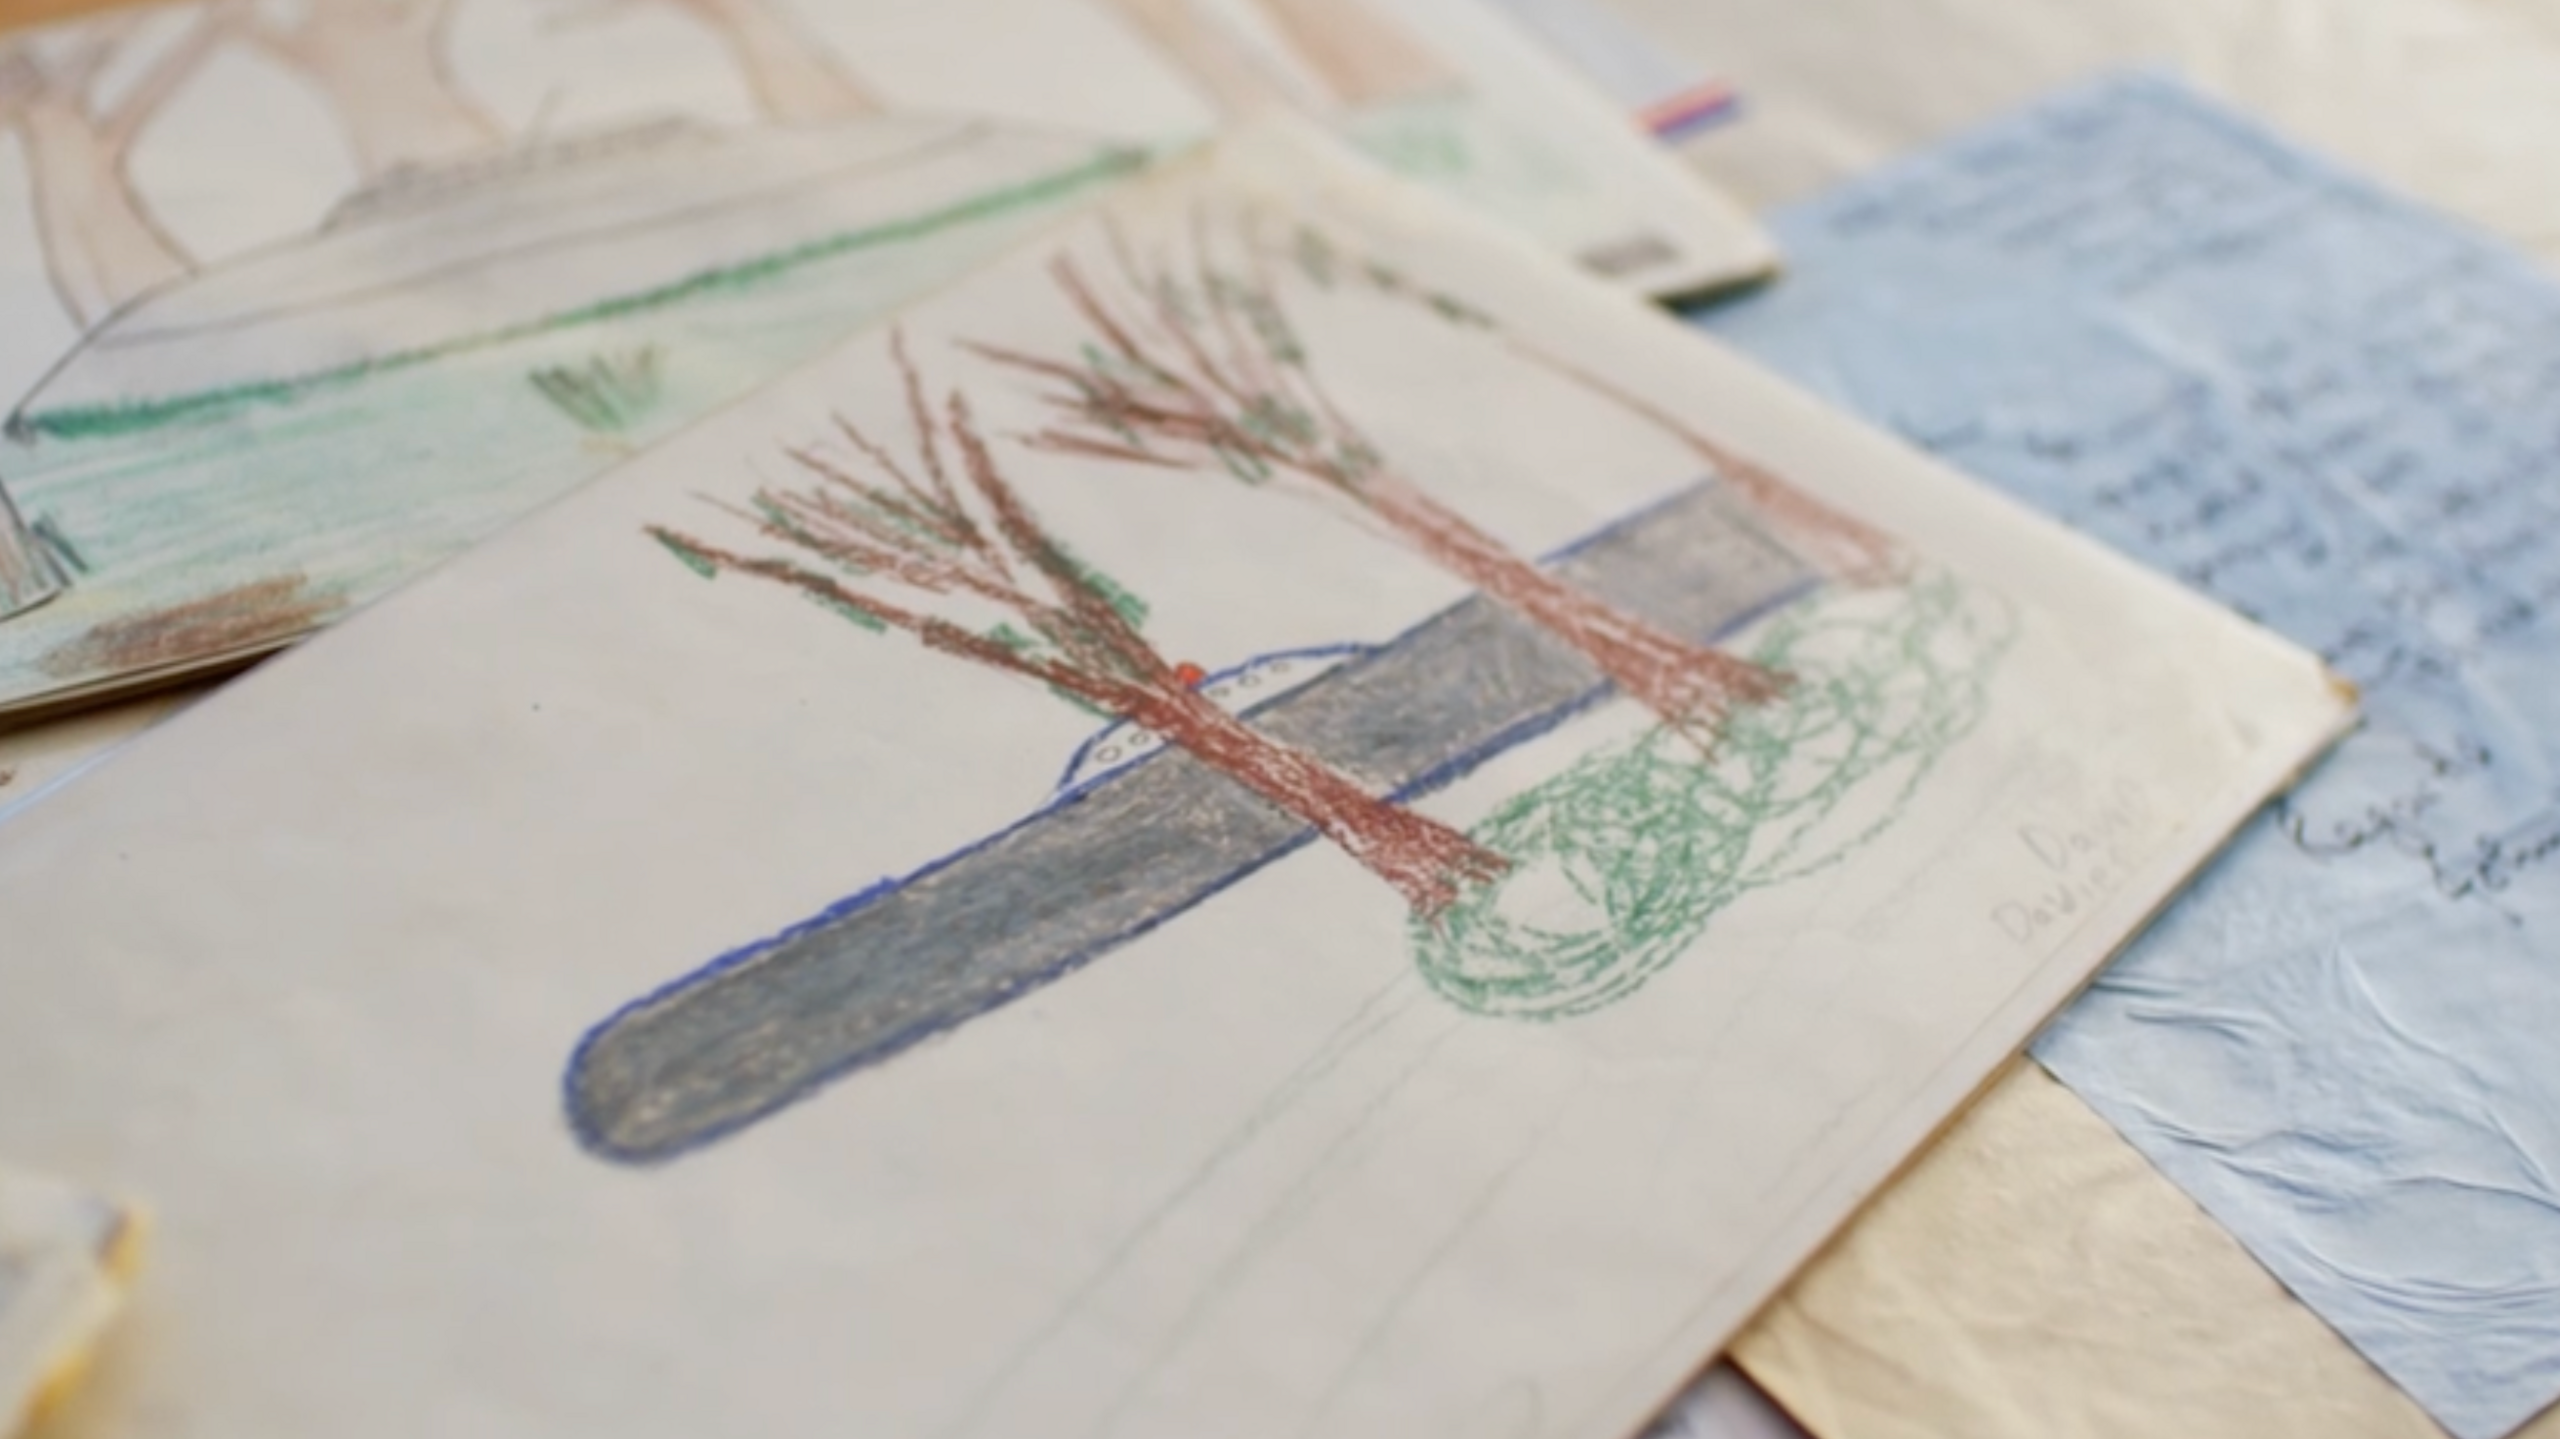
1190,674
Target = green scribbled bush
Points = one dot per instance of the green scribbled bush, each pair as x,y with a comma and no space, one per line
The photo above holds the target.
1619,863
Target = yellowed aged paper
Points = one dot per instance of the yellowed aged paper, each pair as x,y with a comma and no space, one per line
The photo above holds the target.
2033,1275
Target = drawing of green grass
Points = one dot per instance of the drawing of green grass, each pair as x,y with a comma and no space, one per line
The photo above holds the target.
608,394
132,417
359,479
1620,862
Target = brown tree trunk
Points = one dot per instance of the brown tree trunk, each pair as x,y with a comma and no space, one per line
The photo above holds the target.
1362,57
100,248
1216,62
388,85
790,73
1686,684
1426,861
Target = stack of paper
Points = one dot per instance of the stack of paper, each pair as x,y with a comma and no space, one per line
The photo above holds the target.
1171,788
297,305
1352,830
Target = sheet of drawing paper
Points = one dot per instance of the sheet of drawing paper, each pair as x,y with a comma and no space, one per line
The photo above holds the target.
37,759
2320,403
2033,1275
1670,96
292,305
2541,15
1330,828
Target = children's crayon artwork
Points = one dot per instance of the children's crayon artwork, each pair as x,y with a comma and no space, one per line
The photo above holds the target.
1276,815
2332,410
297,299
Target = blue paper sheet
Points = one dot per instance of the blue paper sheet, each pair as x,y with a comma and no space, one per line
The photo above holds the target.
2340,414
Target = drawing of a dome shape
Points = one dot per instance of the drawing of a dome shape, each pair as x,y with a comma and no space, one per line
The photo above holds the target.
1238,690
544,236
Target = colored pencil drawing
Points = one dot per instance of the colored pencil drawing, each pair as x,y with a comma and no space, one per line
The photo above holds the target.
609,394
1198,366
29,575
194,443
1619,863
1842,546
722,880
948,525
1261,678
481,244
228,624
794,77
1138,844
102,247
1189,360
380,65
204,444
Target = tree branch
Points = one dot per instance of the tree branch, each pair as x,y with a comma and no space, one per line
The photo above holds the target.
177,64
936,633
1258,250
909,508
927,534
1100,629
434,17
294,44
920,417
23,81
1218,293
1067,442
1109,405
814,523
85,59
1206,380
1871,553
1220,406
